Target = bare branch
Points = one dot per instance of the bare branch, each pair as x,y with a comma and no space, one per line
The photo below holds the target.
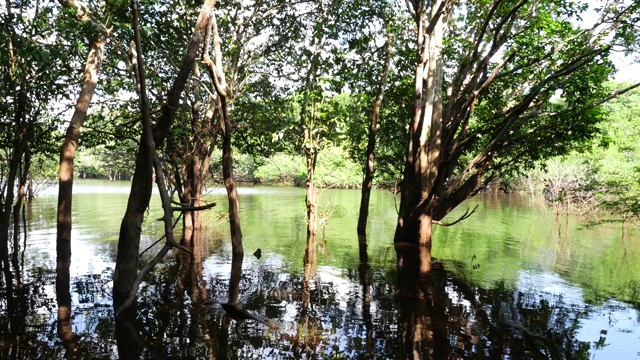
147,268
436,16
464,216
614,95
112,134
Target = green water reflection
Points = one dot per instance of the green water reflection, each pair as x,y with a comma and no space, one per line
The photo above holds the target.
513,281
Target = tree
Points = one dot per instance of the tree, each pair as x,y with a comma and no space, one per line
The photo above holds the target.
67,156
373,63
216,73
194,133
126,277
486,74
367,182
253,32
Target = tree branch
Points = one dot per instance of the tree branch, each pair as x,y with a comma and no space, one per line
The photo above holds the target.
464,216
193,208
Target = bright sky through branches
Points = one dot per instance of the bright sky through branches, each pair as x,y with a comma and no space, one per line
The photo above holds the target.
627,69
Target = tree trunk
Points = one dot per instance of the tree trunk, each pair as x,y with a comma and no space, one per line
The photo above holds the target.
18,207
367,183
421,167
65,186
189,179
236,276
141,186
30,194
420,184
217,77
311,202
6,209
192,154
310,148
312,214
19,147
229,184
19,311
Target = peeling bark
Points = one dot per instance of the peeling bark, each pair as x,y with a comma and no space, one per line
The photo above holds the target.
436,179
423,153
217,76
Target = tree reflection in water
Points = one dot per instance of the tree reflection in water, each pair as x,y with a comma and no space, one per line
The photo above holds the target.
364,275
442,317
362,312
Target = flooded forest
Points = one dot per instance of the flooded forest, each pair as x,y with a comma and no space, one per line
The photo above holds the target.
350,179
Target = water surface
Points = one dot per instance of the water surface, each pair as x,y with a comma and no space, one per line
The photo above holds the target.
514,281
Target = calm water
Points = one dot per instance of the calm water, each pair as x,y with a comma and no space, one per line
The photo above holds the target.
512,282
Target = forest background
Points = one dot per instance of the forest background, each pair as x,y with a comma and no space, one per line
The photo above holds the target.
601,179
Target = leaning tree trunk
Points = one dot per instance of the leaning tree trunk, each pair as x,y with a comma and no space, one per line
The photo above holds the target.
65,185
420,179
141,186
367,183
140,194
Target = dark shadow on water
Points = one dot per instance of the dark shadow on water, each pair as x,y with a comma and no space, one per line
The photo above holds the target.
128,339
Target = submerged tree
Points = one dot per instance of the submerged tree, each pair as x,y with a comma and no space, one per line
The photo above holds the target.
367,182
66,169
126,278
214,66
498,86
